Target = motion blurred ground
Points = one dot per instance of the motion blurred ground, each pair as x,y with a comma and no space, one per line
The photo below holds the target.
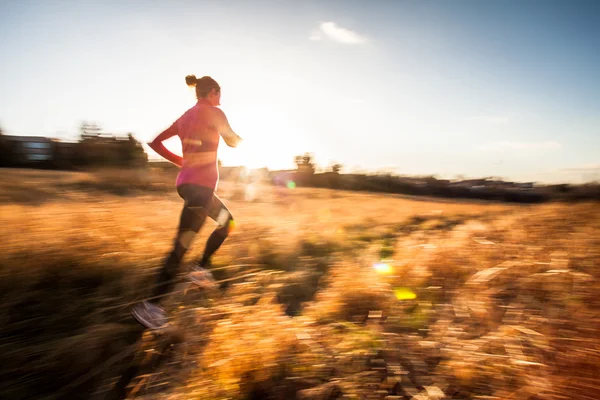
347,295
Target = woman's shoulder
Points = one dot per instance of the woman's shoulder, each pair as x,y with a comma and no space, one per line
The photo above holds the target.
203,112
194,111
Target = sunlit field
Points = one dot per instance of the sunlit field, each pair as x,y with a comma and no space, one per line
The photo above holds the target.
322,294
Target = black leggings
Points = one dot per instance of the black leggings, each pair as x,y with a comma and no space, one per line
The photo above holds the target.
200,202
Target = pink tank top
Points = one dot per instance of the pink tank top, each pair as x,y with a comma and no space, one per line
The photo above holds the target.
198,129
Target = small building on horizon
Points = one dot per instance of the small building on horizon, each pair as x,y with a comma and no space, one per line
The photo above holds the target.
30,150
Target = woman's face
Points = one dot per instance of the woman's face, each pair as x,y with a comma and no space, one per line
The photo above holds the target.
214,97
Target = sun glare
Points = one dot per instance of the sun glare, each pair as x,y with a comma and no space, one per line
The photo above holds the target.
383,268
270,136
252,154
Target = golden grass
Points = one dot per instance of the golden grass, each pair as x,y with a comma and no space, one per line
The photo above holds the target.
505,296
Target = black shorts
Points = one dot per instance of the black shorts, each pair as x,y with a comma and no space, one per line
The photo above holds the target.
200,202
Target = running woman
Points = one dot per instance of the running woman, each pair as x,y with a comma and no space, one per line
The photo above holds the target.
199,129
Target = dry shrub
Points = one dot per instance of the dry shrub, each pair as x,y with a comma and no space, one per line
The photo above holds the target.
511,327
250,349
37,187
512,307
351,293
61,317
261,245
124,181
259,352
298,287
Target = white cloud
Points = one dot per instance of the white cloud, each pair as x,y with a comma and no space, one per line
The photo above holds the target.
338,34
507,145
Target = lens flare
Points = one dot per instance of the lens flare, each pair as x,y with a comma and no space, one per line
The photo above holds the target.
404,294
244,173
383,268
250,192
291,185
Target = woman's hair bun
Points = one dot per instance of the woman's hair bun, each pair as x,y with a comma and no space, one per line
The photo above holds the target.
191,80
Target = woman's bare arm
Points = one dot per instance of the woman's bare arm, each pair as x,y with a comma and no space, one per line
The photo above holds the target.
229,136
158,146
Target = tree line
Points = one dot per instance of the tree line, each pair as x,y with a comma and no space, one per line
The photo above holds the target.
480,189
94,148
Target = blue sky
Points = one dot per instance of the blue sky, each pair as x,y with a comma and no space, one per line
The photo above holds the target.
474,88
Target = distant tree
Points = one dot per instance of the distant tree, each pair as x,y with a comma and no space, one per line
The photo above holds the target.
305,169
100,149
304,164
134,152
336,168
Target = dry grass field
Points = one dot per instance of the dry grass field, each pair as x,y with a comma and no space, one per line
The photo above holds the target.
324,294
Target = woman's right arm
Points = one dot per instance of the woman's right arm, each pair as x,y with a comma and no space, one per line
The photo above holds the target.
229,136
158,146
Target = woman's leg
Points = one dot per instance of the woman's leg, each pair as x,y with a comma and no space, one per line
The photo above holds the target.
221,215
197,203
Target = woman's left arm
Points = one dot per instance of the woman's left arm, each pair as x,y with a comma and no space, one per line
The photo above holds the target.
158,146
